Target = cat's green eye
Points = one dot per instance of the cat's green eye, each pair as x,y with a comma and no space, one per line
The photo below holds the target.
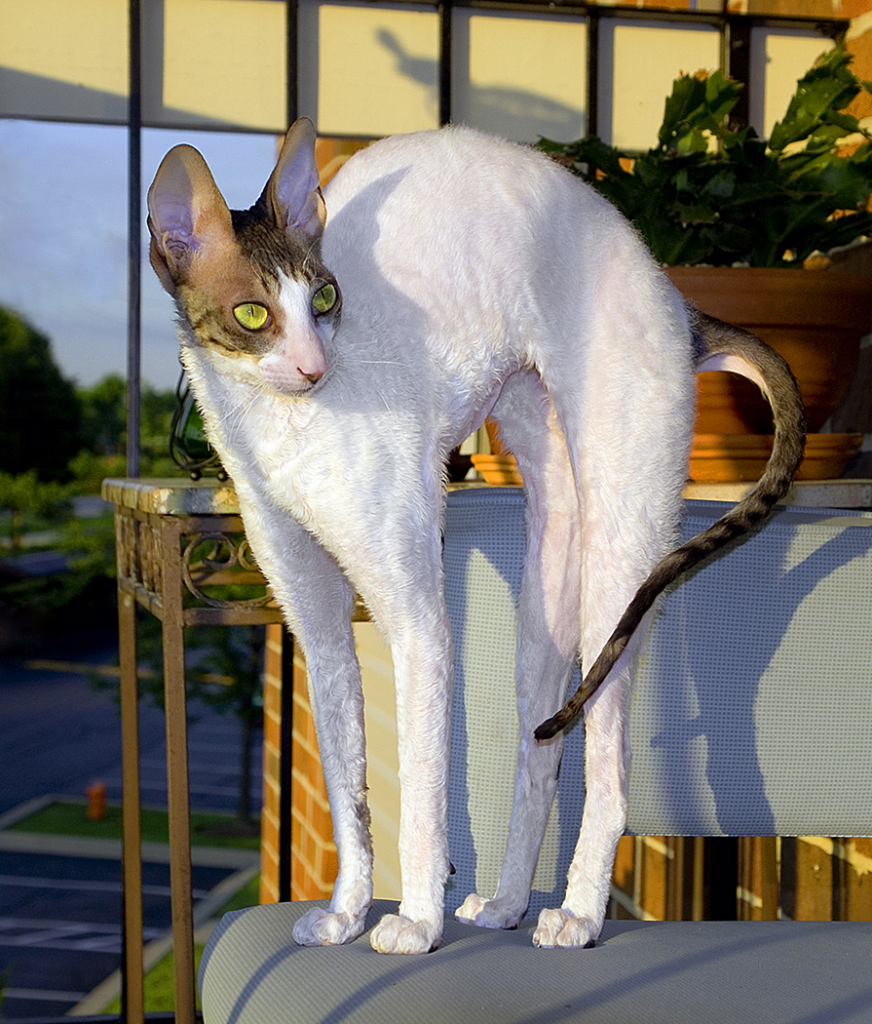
325,298
251,315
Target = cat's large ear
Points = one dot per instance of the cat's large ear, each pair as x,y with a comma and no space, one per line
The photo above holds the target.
292,192
186,213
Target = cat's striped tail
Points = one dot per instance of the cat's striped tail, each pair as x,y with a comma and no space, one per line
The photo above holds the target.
720,347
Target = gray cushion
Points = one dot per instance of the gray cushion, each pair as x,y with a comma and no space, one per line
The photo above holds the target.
657,973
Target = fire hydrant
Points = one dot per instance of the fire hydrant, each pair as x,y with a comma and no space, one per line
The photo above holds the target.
96,801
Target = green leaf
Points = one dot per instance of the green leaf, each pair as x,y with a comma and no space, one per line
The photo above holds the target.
820,94
696,213
722,185
698,104
686,96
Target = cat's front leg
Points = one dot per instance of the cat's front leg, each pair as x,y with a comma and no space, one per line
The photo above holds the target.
416,624
337,704
316,599
423,718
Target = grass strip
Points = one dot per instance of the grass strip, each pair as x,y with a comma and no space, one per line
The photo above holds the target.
158,987
70,818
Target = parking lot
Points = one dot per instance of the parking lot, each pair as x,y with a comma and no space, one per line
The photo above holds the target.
60,898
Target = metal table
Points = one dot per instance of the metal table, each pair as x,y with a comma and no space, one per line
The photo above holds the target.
176,540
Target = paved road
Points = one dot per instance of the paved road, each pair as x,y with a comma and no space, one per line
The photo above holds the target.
60,912
58,735
60,931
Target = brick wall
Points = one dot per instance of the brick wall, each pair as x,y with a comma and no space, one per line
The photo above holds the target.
313,853
272,725
313,862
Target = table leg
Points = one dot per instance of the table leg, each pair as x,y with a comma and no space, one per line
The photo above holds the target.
132,977
177,775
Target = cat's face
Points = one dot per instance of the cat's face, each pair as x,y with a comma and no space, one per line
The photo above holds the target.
264,300
251,285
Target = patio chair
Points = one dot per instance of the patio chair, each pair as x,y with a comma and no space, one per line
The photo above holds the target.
752,716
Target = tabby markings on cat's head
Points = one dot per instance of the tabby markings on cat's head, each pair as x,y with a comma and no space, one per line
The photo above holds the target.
249,284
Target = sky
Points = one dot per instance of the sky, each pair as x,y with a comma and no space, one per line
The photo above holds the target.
63,237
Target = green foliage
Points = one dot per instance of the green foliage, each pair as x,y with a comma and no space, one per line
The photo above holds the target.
159,994
70,818
712,192
224,671
89,469
83,595
85,591
25,494
104,416
104,429
157,408
39,413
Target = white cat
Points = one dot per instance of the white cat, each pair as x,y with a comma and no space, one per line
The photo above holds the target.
337,362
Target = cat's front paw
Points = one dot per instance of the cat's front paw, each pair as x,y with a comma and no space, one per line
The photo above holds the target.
319,927
488,913
398,934
561,928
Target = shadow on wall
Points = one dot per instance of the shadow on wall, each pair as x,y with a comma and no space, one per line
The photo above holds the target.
733,714
512,113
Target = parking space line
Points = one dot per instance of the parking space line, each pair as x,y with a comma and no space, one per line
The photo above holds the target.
67,935
88,885
48,995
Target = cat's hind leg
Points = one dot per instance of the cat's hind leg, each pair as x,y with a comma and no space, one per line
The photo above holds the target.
628,421
548,636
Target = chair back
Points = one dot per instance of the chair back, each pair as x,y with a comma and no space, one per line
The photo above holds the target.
738,723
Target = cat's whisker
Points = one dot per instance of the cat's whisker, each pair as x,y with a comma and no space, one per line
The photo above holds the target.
234,424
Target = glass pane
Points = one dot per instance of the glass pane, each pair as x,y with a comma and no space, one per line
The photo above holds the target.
638,64
241,166
64,60
778,59
224,64
63,262
367,69
520,76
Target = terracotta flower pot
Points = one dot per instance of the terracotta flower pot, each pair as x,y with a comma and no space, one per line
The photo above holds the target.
814,318
718,458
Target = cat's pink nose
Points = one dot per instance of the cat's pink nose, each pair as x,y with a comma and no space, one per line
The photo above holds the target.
312,377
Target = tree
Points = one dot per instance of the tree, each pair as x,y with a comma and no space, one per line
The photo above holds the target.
104,416
225,672
24,494
104,425
39,411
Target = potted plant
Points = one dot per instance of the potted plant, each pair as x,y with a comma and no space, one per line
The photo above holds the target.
735,219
